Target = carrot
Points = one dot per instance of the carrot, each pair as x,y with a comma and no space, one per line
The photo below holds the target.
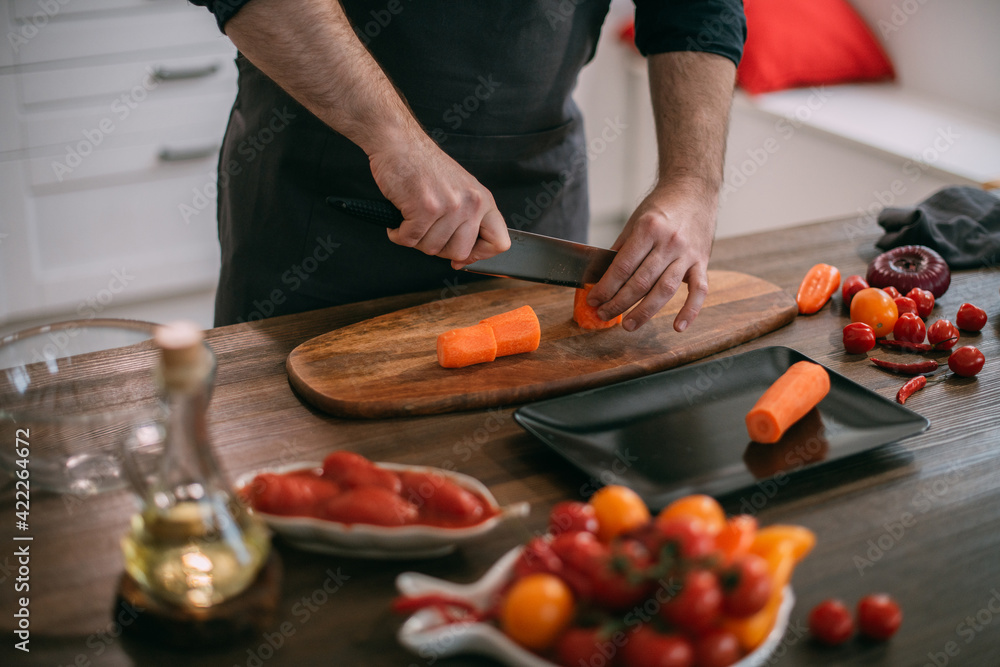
466,346
792,395
516,331
817,287
586,316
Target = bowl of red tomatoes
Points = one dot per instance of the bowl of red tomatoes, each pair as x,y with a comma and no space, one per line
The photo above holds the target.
348,505
610,584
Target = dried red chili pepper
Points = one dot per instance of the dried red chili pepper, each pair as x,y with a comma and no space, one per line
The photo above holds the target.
905,345
912,385
916,368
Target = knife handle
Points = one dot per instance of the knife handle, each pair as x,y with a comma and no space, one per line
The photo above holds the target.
376,211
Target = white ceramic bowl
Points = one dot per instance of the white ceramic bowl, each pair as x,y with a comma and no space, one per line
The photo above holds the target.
428,635
360,540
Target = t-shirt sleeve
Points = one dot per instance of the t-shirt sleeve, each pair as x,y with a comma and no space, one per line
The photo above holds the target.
222,9
711,26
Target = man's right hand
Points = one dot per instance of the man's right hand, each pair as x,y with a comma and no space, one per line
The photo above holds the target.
446,211
309,49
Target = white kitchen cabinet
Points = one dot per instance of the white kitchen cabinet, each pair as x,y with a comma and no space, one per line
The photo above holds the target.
111,117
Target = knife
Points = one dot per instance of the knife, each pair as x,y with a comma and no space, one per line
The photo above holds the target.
532,257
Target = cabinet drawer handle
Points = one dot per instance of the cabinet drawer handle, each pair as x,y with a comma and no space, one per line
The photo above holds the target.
185,154
161,73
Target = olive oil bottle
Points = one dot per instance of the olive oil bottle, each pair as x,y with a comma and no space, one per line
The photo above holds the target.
192,544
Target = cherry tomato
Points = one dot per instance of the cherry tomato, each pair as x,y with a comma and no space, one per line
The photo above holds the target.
294,495
570,515
716,648
611,576
966,361
830,622
576,550
352,470
892,291
696,607
858,338
648,648
619,509
852,286
698,506
687,535
879,616
441,498
537,556
905,305
910,328
942,334
582,646
747,586
376,505
876,309
923,299
970,318
536,610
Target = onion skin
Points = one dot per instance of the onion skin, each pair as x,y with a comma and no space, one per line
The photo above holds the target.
910,266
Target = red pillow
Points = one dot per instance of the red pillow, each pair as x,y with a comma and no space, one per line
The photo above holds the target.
794,43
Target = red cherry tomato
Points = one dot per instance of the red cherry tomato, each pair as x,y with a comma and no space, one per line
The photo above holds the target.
830,622
923,299
612,585
852,286
698,604
571,515
892,291
747,586
942,334
688,535
537,556
716,648
966,361
648,648
905,305
910,328
858,338
582,646
879,616
970,318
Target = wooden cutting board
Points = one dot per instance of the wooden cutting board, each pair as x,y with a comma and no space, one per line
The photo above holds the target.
387,366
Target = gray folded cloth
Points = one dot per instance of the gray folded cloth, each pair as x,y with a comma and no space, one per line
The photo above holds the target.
961,223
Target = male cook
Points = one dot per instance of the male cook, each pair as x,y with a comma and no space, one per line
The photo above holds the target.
460,114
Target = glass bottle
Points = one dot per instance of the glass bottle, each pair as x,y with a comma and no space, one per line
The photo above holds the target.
192,543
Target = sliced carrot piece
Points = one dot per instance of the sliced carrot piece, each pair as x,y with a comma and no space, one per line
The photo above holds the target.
516,331
466,346
770,538
819,284
586,316
792,395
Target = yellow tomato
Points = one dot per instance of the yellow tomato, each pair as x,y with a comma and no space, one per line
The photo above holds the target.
697,506
619,509
875,308
536,610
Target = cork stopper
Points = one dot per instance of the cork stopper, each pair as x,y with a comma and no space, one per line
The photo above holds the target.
184,360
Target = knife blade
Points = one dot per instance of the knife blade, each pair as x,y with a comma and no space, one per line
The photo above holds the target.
532,257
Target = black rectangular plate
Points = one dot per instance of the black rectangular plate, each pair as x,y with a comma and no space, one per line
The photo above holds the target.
682,431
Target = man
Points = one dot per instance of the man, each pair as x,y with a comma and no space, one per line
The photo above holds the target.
460,114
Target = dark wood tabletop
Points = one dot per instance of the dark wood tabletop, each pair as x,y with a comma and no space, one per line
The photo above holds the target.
919,519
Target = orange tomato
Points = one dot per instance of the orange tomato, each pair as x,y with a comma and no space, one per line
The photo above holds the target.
536,610
875,308
736,537
619,509
697,506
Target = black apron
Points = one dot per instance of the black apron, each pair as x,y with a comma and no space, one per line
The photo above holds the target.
489,81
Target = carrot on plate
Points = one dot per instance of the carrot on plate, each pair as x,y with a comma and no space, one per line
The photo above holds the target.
792,395
466,346
586,316
516,331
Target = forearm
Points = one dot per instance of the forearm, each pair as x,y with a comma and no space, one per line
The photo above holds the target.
309,49
692,95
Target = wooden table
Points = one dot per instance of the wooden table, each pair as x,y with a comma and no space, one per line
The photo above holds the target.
921,519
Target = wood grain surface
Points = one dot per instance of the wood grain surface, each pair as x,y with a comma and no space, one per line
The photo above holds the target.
387,366
919,519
